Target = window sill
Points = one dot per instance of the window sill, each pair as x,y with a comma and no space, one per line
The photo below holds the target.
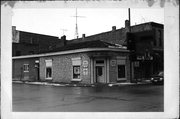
120,79
75,79
48,78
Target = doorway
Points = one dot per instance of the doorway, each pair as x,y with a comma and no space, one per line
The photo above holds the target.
100,74
100,71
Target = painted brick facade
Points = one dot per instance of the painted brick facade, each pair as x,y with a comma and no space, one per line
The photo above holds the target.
62,68
18,69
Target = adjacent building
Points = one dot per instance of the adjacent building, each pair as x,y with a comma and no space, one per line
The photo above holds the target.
27,43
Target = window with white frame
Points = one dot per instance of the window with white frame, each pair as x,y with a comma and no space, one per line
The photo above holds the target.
48,69
76,72
26,67
76,62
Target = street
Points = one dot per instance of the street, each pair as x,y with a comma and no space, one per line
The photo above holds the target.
128,98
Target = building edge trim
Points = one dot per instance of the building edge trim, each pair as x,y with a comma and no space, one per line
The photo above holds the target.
70,52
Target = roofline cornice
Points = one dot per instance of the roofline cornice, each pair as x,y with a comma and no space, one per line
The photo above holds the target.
70,52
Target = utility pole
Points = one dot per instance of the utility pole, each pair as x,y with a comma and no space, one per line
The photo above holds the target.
76,28
129,19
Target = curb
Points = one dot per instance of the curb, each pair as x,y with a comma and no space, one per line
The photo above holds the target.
80,85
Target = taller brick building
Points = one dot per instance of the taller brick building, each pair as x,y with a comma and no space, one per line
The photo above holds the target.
27,43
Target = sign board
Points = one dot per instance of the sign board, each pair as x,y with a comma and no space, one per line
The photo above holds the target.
85,63
85,71
140,57
113,62
144,58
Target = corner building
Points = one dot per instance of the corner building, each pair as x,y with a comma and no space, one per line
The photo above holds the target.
88,62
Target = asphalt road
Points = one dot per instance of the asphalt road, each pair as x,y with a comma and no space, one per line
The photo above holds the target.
134,98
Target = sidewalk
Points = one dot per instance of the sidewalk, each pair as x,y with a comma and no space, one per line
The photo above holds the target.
82,85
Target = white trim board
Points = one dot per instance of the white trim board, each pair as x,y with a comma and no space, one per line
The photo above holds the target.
70,52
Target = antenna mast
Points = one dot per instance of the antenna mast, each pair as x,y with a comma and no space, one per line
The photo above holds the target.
76,29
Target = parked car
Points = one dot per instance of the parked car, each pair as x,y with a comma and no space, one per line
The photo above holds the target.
158,78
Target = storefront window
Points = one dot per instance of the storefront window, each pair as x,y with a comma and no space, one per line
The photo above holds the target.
48,72
121,71
76,72
76,63
48,69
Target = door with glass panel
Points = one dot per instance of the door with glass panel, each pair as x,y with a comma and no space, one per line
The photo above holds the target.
100,75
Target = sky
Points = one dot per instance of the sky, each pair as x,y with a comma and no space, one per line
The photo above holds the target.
61,21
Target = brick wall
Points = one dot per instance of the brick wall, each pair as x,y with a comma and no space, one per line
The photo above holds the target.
35,43
116,36
113,73
62,68
19,74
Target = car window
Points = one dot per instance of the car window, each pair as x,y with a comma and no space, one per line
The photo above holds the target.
161,74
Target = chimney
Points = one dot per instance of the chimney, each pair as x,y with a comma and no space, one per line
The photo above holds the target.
113,28
13,28
63,38
127,24
83,36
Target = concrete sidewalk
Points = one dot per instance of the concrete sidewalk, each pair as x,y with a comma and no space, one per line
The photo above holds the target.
82,85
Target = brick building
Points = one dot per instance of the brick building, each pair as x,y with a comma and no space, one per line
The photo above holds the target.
87,62
100,58
26,43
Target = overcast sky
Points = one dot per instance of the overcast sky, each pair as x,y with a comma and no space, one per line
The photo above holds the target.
94,21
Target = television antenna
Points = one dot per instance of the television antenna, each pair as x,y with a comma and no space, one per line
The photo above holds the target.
76,28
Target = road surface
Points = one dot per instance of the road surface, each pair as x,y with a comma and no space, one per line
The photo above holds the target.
128,98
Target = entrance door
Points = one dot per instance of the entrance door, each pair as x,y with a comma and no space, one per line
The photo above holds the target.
121,72
100,75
